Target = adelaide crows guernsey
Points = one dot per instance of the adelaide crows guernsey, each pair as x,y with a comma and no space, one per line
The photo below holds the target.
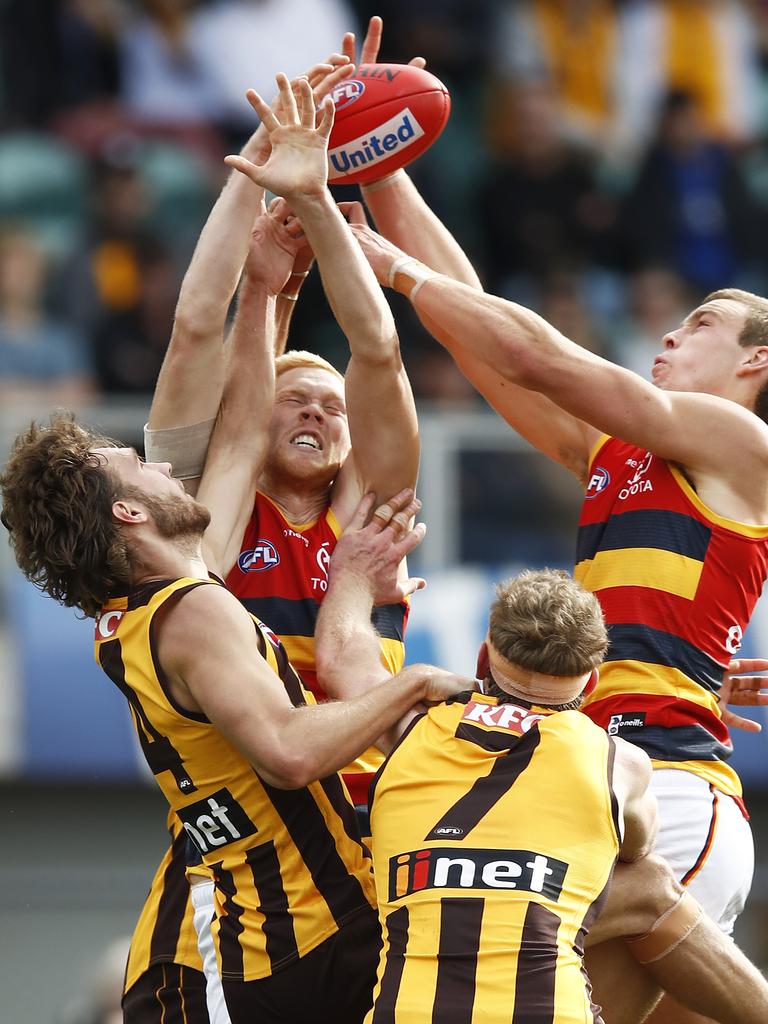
288,865
495,835
281,576
677,584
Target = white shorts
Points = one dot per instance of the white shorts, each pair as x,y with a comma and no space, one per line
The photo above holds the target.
707,842
201,890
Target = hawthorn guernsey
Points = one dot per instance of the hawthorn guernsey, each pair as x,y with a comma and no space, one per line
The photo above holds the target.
385,117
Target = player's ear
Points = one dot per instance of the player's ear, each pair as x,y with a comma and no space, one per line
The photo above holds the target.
129,512
483,666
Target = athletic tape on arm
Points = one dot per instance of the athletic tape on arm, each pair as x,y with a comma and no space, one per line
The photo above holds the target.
184,447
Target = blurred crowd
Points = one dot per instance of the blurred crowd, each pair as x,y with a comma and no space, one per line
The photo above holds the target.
605,163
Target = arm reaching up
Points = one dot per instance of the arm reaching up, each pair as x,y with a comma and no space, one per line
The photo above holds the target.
382,416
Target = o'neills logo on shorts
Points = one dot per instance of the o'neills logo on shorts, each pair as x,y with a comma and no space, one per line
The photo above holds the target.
475,869
397,133
216,821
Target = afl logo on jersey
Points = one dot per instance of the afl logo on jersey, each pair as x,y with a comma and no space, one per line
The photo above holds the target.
257,559
598,482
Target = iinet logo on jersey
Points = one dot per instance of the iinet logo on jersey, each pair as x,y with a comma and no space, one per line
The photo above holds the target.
524,870
503,716
216,821
397,133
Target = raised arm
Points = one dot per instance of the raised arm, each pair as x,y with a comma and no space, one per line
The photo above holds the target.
191,380
382,416
526,351
227,679
631,777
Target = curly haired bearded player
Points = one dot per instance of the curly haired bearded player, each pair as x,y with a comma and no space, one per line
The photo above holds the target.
673,536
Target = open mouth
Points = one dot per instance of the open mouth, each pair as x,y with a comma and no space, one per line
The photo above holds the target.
307,441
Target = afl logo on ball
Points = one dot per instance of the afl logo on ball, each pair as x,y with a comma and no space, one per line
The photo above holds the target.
257,559
598,482
346,93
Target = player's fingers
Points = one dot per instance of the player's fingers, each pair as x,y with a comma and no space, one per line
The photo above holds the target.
745,724
412,584
318,72
328,84
306,103
287,99
740,665
348,46
396,503
417,62
353,212
410,541
245,167
361,513
372,41
263,109
328,111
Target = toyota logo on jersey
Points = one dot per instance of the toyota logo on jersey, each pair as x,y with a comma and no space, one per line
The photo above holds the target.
598,481
263,556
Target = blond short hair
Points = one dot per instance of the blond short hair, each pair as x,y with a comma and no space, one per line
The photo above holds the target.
299,357
546,622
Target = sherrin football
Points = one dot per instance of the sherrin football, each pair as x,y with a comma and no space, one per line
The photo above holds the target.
386,116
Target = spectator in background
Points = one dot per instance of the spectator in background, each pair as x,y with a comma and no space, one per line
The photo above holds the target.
540,208
43,360
658,303
189,61
689,208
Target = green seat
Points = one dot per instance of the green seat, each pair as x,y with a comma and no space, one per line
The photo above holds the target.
43,187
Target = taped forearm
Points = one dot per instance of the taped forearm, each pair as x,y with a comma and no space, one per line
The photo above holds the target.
184,447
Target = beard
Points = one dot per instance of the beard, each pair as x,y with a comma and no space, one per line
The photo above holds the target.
177,517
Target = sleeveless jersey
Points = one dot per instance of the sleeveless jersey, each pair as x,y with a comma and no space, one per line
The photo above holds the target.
677,584
288,865
495,835
281,576
164,932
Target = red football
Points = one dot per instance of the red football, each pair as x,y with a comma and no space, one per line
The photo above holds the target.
386,116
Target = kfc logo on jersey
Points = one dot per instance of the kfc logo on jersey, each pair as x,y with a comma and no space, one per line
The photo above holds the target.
598,482
257,559
475,869
501,716
107,623
638,484
216,821
627,722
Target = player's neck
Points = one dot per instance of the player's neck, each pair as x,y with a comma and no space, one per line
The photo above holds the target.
158,559
297,504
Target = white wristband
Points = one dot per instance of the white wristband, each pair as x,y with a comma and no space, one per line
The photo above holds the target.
413,269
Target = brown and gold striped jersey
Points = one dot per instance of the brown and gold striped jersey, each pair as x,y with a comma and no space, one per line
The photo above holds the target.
288,865
495,834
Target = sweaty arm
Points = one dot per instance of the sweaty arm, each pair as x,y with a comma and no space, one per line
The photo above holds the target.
631,776
208,648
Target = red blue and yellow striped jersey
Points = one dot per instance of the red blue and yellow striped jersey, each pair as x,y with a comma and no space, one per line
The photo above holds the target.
281,576
288,865
495,832
677,584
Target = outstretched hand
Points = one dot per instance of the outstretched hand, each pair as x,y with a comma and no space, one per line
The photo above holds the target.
742,687
298,161
371,551
371,44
